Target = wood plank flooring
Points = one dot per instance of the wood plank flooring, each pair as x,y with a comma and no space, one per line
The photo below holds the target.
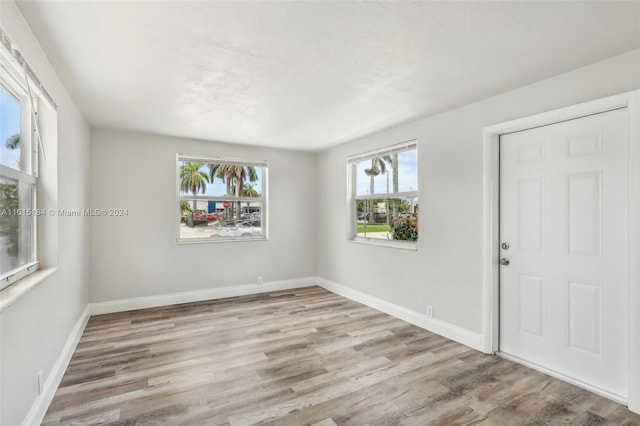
301,357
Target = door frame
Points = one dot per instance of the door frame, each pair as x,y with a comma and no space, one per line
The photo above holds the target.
491,224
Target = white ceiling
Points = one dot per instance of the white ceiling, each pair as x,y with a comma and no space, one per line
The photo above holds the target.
309,75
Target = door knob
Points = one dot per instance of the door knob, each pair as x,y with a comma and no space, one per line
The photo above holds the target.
504,261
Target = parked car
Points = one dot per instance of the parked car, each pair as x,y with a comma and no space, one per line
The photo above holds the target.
211,217
227,223
250,216
235,222
236,228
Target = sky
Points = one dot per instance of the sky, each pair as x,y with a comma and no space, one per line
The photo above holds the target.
9,126
407,175
219,189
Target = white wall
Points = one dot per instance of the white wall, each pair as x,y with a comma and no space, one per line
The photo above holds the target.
34,330
446,271
137,256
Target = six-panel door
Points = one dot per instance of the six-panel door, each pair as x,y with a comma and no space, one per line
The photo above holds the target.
563,212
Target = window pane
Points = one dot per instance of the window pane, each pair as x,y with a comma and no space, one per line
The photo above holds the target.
374,176
16,231
10,148
373,219
388,173
220,179
407,171
388,219
216,219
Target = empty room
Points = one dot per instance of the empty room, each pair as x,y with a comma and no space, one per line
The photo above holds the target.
319,212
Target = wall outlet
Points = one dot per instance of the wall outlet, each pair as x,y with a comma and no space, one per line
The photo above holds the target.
429,311
259,280
40,382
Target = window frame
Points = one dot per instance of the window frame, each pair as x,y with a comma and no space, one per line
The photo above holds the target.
353,197
263,199
16,89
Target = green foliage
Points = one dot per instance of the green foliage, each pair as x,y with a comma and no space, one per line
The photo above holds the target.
365,227
9,224
250,191
185,207
235,175
405,229
403,205
192,179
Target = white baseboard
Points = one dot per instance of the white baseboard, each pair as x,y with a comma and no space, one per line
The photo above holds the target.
450,331
197,295
474,340
41,404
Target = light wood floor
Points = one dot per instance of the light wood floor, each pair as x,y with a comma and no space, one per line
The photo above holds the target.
301,357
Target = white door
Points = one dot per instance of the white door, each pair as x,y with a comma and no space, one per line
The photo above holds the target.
563,214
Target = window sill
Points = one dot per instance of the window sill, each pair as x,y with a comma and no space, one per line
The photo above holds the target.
385,243
10,294
184,241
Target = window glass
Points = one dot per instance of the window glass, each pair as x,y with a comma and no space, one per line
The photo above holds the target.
408,167
384,193
10,129
18,189
16,230
221,200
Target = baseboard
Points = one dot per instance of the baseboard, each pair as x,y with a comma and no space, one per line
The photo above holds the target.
450,331
41,404
196,296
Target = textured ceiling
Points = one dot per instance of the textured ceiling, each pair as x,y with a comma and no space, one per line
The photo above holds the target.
309,75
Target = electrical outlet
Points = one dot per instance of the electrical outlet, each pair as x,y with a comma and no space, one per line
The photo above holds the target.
259,280
40,382
429,311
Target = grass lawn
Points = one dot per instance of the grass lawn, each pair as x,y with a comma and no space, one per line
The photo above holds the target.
373,227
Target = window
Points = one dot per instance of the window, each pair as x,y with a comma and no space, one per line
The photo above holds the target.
383,196
221,199
18,184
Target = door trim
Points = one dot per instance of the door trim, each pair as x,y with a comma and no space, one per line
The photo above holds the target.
491,191
562,377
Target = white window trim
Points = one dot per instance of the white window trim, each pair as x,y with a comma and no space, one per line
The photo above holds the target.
352,228
15,65
263,200
16,88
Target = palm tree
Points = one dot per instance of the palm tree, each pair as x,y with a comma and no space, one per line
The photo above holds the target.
13,141
234,175
185,207
249,191
221,171
378,167
192,179
394,167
